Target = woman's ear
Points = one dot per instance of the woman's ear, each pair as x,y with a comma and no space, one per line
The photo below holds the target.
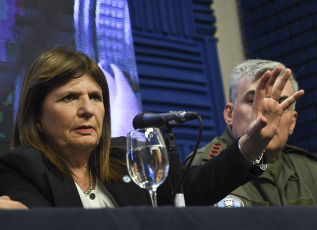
227,113
39,127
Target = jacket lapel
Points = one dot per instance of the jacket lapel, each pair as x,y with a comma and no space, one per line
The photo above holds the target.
64,191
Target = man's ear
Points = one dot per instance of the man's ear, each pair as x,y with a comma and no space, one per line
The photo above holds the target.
292,126
227,113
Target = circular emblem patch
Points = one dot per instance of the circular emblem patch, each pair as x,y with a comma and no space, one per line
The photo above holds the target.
126,179
230,201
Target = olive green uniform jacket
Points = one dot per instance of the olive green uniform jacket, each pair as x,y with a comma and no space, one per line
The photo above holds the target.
290,180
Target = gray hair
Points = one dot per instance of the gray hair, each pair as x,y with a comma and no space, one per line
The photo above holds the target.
254,69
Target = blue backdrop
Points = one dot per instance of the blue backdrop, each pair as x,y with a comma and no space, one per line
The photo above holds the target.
174,48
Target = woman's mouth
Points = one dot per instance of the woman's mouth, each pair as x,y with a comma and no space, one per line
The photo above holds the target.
85,129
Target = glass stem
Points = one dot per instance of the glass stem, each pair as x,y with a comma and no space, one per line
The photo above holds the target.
153,197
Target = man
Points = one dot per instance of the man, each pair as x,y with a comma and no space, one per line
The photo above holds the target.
290,176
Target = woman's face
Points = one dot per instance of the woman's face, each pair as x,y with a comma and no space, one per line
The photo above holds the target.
72,116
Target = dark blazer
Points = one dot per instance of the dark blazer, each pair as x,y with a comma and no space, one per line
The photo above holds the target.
26,175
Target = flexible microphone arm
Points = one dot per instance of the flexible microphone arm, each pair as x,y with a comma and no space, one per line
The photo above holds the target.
175,169
166,121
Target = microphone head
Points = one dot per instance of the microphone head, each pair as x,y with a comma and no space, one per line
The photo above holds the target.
147,119
137,121
162,120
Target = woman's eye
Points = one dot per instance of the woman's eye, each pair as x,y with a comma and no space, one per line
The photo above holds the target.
69,98
250,101
96,97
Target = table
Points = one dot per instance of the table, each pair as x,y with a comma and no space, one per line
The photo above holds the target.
161,218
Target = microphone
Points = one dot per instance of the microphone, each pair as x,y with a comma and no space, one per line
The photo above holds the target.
162,120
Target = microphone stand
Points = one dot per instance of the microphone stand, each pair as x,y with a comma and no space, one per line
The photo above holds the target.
175,169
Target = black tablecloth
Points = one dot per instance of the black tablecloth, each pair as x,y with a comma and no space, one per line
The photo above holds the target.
161,218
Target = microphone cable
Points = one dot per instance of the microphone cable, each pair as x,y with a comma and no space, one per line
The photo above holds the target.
191,158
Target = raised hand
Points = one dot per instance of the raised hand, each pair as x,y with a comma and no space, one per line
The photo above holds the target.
267,111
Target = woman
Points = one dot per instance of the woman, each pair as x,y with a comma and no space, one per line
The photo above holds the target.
7,203
61,141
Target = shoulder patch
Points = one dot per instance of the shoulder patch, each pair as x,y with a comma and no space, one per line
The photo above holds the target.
230,201
215,150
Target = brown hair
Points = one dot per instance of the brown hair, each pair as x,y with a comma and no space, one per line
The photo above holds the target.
56,67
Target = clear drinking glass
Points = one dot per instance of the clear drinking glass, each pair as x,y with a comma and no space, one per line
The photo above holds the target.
147,159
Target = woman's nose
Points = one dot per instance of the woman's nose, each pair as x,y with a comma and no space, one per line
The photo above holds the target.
86,108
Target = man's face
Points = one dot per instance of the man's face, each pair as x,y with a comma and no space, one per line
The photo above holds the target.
238,116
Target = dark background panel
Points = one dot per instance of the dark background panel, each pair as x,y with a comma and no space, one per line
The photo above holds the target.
178,65
286,31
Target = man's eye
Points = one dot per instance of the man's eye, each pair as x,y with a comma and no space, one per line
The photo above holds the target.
281,99
251,101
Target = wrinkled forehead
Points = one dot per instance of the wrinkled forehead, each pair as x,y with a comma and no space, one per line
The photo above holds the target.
246,84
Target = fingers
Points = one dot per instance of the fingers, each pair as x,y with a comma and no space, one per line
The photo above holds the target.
276,72
270,86
7,203
290,100
259,124
275,88
280,84
5,198
261,87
